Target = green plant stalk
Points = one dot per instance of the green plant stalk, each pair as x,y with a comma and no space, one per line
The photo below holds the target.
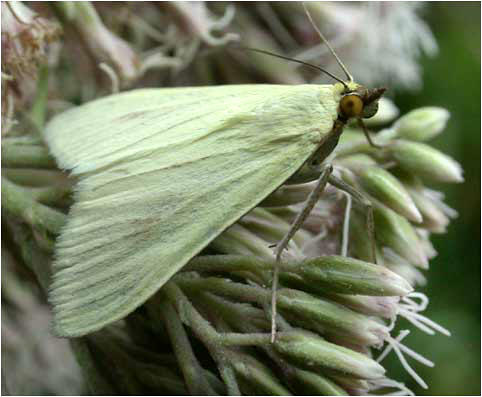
196,383
201,327
20,202
333,273
39,108
307,309
205,332
37,177
25,156
255,320
96,383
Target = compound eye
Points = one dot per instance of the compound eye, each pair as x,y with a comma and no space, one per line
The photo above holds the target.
351,106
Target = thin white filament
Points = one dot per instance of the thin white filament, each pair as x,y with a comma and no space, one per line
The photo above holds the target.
114,78
418,295
415,355
421,322
346,226
397,347
409,317
226,19
402,390
397,342
410,310
389,347
408,368
400,393
410,302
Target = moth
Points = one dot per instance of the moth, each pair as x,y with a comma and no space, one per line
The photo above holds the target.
163,171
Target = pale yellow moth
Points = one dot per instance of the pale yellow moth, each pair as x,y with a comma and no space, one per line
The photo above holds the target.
162,172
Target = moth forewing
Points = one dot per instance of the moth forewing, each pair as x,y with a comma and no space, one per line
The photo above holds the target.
162,172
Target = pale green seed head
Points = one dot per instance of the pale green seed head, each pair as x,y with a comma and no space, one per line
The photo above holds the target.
385,187
314,352
422,124
395,232
425,161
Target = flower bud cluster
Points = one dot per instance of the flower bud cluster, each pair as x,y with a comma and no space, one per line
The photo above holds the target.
348,305
207,331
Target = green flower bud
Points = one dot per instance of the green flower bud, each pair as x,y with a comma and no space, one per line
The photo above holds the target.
402,267
382,306
259,377
331,319
311,351
360,245
239,240
356,161
351,276
433,217
270,227
385,187
426,162
356,387
288,195
396,233
427,245
422,124
316,385
408,272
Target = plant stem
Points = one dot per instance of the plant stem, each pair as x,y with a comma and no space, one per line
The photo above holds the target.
25,156
196,383
19,202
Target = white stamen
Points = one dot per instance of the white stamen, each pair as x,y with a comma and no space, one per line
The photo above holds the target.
397,347
409,317
434,194
410,310
402,390
392,323
423,299
389,347
226,19
399,393
111,73
408,368
418,319
437,198
416,356
346,226
449,211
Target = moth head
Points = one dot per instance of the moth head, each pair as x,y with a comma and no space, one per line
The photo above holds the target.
360,103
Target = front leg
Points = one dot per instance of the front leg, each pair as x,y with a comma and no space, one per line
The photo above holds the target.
296,225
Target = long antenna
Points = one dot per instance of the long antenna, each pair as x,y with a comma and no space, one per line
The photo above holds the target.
294,60
348,75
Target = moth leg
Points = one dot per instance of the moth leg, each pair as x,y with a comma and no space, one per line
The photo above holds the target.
359,197
296,225
367,135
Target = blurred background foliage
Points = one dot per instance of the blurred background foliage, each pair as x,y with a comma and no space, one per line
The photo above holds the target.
450,79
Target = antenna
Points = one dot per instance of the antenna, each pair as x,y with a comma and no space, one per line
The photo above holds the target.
295,60
348,75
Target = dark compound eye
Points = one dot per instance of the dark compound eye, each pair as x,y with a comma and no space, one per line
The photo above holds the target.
351,106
